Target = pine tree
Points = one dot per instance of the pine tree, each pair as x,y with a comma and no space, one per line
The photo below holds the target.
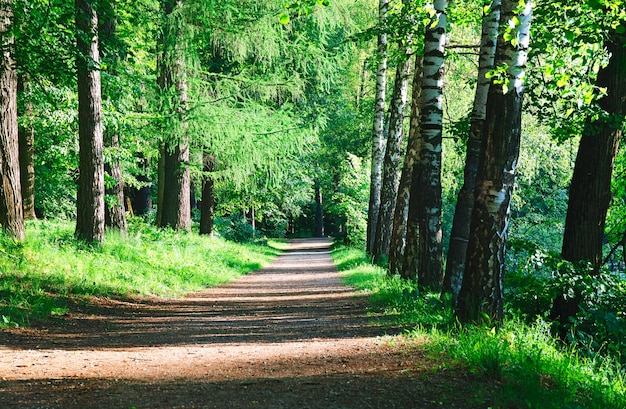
90,198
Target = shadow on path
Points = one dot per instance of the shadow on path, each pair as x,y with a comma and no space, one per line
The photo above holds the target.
298,297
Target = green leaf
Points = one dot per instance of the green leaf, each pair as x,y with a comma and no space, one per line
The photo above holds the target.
284,18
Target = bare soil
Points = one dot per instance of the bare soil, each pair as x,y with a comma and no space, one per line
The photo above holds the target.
288,336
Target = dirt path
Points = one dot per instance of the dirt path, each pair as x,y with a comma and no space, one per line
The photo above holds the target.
289,336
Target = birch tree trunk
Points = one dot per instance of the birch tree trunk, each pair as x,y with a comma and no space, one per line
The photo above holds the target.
90,197
11,217
459,235
27,152
319,211
481,289
391,163
378,149
397,243
423,256
174,201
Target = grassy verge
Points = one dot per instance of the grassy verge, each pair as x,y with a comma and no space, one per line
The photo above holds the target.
40,274
524,363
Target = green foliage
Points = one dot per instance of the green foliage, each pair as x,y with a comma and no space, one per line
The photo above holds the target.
522,363
235,228
50,267
349,205
396,301
534,370
538,277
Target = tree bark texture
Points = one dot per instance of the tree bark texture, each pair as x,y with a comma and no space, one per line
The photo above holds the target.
27,152
397,243
378,147
174,198
115,212
207,211
455,263
11,217
90,198
391,162
481,289
319,211
424,254
590,190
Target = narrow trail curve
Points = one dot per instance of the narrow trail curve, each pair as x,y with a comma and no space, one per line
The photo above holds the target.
288,336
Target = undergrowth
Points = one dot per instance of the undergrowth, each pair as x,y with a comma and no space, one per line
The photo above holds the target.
523,362
39,275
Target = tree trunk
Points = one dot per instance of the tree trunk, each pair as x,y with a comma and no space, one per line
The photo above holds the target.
175,208
459,236
207,211
590,190
90,198
378,148
27,153
11,217
391,163
115,213
424,256
401,212
319,211
481,288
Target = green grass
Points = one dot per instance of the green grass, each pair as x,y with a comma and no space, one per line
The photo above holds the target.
524,364
393,298
40,274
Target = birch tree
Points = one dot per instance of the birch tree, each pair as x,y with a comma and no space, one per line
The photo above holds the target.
10,192
481,288
462,215
423,256
414,143
393,156
378,147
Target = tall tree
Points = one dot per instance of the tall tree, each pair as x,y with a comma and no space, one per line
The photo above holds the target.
393,157
10,191
481,288
378,147
397,242
590,190
423,256
90,198
459,235
174,179
27,150
207,210
114,211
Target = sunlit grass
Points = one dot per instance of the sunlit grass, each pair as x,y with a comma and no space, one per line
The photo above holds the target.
37,276
525,365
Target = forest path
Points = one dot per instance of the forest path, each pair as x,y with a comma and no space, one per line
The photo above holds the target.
288,336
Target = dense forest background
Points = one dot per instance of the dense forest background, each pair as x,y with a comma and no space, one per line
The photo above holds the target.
471,147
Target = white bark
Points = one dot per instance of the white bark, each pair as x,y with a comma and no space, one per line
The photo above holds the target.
378,148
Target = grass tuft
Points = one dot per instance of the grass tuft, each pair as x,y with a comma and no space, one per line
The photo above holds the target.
50,266
524,364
